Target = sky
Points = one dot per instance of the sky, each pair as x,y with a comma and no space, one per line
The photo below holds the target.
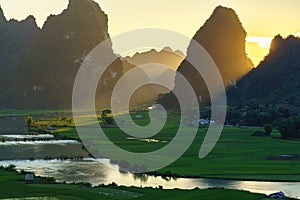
262,19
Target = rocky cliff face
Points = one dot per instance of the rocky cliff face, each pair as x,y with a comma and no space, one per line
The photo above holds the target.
223,37
43,63
48,72
16,39
275,80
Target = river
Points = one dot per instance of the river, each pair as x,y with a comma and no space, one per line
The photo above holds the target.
100,171
36,156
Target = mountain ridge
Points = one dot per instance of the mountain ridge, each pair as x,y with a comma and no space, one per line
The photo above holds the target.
46,74
275,80
224,38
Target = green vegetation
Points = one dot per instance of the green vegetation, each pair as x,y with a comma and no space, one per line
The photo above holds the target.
29,121
268,129
15,187
290,128
274,81
255,114
236,155
107,118
286,120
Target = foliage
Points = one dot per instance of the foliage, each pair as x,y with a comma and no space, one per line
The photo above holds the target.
275,80
289,128
66,121
268,129
253,114
258,133
29,121
107,117
10,168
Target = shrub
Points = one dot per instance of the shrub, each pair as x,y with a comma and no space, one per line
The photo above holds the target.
258,133
289,128
268,129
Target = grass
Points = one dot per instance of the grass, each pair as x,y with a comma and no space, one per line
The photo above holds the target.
237,154
13,186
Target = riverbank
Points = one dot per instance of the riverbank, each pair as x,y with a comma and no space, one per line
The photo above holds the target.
239,177
100,171
12,185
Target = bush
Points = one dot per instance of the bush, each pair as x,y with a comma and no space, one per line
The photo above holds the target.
258,133
10,168
268,129
289,128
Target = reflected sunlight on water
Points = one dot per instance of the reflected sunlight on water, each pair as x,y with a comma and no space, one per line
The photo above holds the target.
98,172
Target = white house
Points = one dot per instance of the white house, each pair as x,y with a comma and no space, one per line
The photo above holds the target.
203,121
138,116
29,177
206,121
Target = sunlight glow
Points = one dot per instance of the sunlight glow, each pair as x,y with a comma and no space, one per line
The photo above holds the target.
195,14
297,34
264,42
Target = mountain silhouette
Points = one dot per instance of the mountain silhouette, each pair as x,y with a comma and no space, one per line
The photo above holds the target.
223,37
275,80
16,39
166,57
44,62
45,77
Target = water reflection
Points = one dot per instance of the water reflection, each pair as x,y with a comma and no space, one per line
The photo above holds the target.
12,125
40,136
33,198
62,149
96,172
36,143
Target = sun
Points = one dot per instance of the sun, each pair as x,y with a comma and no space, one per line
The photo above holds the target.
297,34
264,42
257,47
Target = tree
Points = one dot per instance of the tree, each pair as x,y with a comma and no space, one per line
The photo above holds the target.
290,127
268,129
29,121
233,116
252,118
63,120
107,117
105,113
69,121
66,121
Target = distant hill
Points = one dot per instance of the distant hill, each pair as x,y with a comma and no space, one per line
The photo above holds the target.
275,80
223,37
166,57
